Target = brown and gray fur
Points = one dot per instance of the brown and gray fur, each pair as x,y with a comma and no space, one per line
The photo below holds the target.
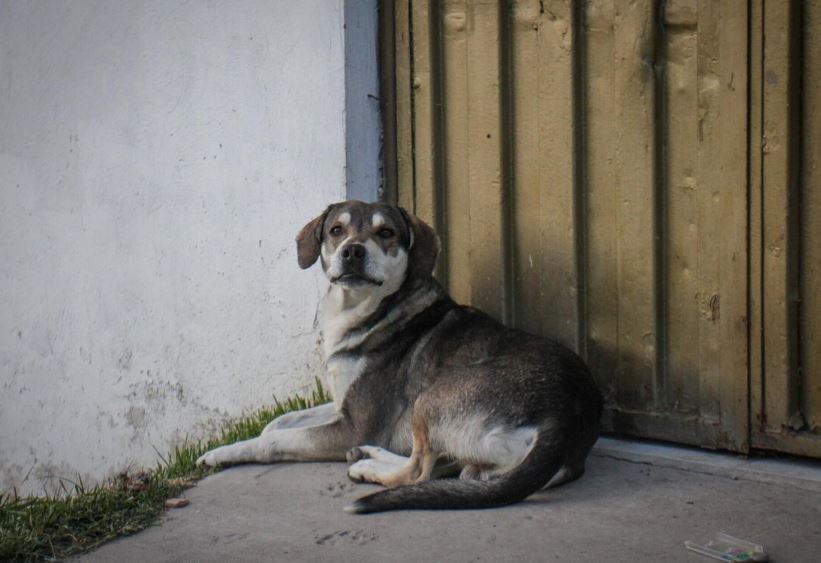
414,374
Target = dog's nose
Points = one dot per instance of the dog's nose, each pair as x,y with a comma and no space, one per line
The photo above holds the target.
353,253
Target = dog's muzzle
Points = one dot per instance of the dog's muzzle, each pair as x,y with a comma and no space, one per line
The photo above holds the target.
353,258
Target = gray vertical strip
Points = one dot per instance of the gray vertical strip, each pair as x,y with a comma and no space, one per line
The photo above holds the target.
579,170
437,74
508,173
387,101
795,76
660,227
363,128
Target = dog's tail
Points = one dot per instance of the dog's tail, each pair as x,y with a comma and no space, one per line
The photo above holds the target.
542,462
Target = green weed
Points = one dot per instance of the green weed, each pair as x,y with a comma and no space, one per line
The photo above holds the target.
82,518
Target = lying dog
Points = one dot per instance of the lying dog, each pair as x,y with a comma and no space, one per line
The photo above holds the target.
412,372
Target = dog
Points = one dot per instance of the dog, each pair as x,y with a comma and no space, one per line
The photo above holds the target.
424,387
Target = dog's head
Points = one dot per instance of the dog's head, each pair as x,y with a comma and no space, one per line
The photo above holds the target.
367,245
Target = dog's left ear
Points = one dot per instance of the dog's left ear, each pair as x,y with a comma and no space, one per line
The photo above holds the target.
309,241
424,246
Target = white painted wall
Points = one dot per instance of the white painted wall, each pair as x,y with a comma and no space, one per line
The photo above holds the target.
156,160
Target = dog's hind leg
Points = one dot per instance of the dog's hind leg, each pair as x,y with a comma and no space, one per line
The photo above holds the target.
428,464
473,472
381,461
386,473
383,469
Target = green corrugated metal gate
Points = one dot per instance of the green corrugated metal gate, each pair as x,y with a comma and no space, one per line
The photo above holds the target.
637,179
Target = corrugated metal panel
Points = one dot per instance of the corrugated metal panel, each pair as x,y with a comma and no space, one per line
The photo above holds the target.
811,221
543,198
786,254
586,164
473,169
599,107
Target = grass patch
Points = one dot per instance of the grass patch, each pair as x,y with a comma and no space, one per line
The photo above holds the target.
83,518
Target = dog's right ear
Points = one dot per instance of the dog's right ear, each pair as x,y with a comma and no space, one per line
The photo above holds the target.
309,241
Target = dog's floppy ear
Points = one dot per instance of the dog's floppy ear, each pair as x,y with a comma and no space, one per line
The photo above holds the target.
424,246
309,240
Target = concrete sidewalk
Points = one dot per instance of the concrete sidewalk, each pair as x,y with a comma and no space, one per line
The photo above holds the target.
620,511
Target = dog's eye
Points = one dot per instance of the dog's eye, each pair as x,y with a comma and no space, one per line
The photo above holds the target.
385,233
336,230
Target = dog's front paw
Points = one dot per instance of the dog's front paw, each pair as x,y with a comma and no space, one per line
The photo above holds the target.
360,470
209,458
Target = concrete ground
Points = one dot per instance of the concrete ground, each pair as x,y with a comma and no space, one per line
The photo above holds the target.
636,503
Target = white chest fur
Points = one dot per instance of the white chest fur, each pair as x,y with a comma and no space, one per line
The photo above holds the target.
342,372
342,311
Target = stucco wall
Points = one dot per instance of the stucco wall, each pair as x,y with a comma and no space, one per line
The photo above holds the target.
156,160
